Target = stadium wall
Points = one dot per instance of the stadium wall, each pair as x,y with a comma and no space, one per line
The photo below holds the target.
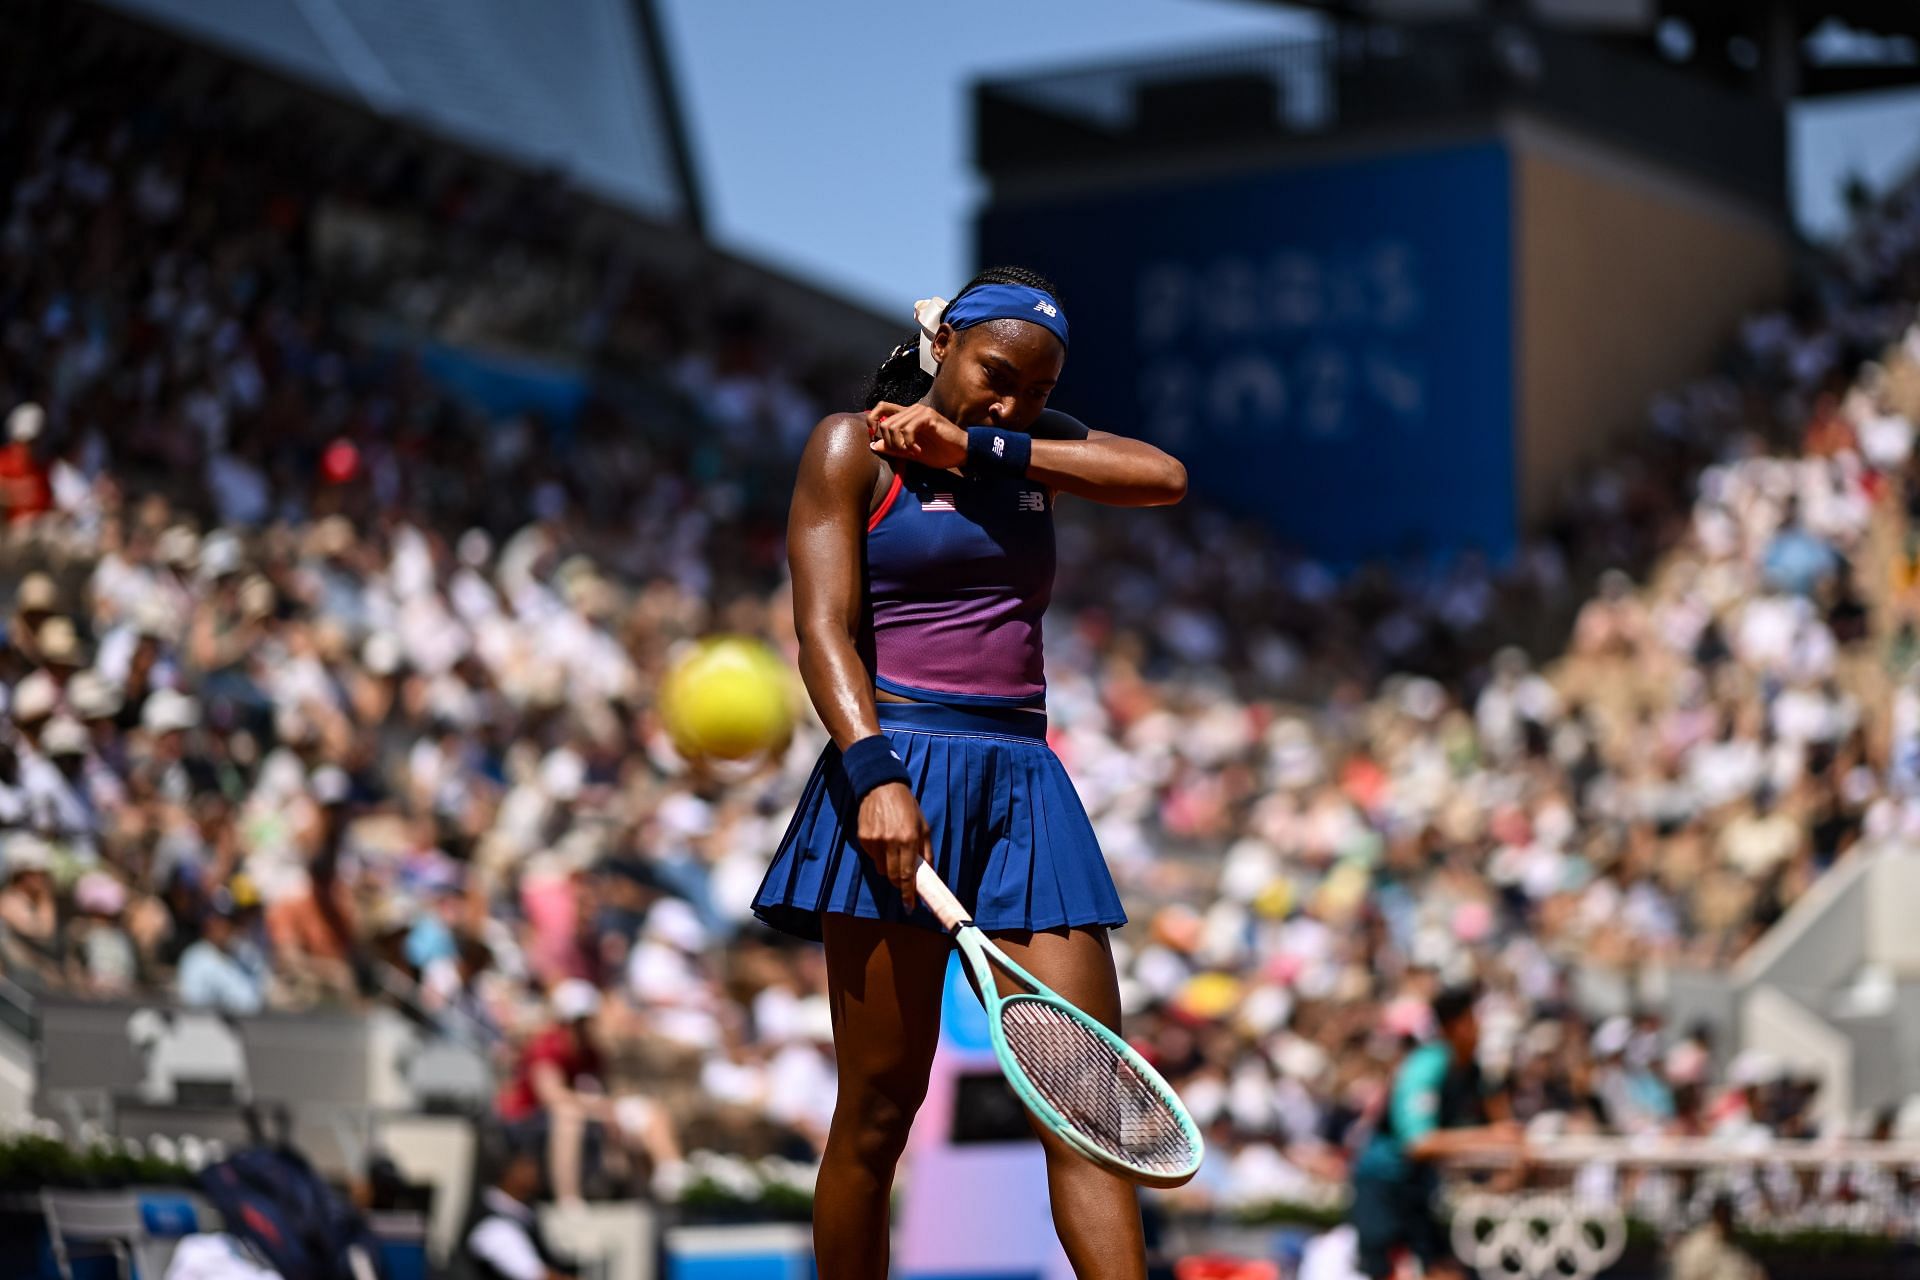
1393,345
1629,277
1325,343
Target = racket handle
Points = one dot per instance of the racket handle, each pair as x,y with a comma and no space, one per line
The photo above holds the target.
939,899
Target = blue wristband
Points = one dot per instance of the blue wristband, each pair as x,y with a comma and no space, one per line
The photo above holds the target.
992,450
871,763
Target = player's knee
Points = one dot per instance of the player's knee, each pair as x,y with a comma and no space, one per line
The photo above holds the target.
879,1114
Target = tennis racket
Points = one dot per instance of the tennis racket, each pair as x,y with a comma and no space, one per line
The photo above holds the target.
1078,1079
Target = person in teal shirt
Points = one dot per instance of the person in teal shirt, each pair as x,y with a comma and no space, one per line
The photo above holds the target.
1438,1108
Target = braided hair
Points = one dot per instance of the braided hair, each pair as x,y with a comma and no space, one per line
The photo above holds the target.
901,380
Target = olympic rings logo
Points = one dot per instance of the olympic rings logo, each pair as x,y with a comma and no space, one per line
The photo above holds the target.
1536,1237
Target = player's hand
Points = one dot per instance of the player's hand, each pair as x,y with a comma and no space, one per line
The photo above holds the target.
894,834
916,431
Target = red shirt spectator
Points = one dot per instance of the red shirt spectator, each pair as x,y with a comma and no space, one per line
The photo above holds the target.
25,490
563,1046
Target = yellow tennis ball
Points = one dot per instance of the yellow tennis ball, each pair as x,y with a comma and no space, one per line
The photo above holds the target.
731,698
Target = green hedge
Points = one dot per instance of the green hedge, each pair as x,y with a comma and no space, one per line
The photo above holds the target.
707,1199
30,1161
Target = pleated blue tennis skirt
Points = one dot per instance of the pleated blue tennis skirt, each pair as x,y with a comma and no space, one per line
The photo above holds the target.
1009,834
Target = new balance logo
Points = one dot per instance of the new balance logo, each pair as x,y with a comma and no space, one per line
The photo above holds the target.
1052,311
999,446
939,502
1032,500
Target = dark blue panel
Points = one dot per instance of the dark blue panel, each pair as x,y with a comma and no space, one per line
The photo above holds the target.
504,385
1329,346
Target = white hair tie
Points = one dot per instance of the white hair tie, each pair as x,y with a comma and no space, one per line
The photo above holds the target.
926,314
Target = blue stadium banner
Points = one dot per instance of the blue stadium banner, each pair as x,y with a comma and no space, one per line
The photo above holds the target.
1327,346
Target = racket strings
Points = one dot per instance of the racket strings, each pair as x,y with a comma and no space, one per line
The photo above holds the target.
1098,1090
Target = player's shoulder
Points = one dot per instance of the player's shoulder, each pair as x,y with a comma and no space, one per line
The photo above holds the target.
838,457
845,420
839,445
840,431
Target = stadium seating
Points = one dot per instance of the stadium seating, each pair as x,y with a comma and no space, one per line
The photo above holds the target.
329,689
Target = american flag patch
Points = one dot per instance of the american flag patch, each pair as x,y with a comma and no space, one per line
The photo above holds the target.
1032,500
938,502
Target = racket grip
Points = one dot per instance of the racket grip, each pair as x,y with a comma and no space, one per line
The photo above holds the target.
939,899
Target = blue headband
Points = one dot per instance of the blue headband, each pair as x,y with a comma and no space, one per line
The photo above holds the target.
1008,302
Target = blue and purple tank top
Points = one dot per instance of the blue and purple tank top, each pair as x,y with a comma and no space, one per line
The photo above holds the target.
959,572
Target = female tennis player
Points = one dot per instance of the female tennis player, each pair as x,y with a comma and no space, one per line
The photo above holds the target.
921,541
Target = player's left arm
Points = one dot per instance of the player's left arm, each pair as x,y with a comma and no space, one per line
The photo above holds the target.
1066,455
1109,469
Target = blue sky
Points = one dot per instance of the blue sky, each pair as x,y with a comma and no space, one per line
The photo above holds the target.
832,136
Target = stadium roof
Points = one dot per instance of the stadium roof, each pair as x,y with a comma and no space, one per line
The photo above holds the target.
1844,46
584,87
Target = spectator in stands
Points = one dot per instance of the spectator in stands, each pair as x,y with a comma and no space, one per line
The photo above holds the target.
29,914
452,990
559,1088
556,1086
223,970
59,802
25,492
313,923
1708,1252
107,961
502,1239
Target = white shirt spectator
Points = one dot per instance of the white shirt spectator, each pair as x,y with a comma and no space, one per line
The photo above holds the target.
210,978
503,1240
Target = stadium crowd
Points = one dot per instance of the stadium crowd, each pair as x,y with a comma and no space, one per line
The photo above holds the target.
323,685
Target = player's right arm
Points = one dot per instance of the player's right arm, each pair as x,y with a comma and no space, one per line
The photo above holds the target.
826,531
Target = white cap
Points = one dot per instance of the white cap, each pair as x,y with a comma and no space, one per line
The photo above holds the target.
1422,699
34,698
58,642
381,654
219,554
24,423
562,774
574,999
475,548
37,594
152,617
168,710
1611,1037
178,546
27,852
257,596
92,697
64,737
330,784
675,923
